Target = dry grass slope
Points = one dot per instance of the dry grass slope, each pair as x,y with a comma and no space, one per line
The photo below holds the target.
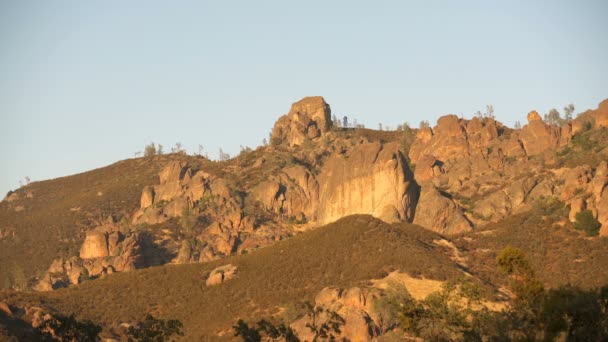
348,252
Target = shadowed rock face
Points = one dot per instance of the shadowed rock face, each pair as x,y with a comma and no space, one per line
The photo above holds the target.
307,119
439,213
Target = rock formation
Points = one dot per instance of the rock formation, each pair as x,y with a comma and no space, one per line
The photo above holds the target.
221,274
370,178
307,119
354,305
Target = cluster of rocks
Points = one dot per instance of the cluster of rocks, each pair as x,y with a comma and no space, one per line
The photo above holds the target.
476,171
467,173
105,250
355,305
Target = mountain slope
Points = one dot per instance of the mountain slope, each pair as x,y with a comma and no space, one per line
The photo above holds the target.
346,253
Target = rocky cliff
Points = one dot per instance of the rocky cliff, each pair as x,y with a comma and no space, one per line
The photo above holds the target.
454,177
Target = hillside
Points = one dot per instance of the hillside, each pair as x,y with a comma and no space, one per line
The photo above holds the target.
321,208
283,274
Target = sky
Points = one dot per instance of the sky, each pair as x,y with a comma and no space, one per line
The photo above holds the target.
84,84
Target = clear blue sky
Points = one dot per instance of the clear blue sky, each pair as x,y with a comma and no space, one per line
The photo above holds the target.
87,83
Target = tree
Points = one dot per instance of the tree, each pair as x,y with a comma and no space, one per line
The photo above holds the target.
264,329
442,315
178,148
223,155
584,220
388,307
155,330
553,117
188,219
345,122
568,111
517,125
67,328
249,334
424,124
335,121
380,128
323,323
150,150
490,111
201,150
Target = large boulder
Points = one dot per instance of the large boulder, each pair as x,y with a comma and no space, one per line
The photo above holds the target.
537,137
221,274
307,119
95,245
439,213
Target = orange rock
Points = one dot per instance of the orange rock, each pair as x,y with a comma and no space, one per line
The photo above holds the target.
534,116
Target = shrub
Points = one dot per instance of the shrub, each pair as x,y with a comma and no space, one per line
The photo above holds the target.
155,330
67,328
150,150
586,222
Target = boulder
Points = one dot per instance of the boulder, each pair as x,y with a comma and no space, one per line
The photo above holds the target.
537,137
147,197
221,274
439,213
95,245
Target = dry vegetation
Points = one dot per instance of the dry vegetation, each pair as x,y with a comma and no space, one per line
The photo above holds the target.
348,252
558,253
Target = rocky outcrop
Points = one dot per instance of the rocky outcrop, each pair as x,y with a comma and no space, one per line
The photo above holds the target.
586,188
221,274
595,118
307,119
439,213
537,137
105,250
370,179
354,305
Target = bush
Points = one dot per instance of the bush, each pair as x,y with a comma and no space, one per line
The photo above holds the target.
155,330
67,328
586,222
150,150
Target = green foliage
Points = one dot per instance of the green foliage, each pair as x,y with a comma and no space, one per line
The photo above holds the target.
265,329
524,284
155,330
67,328
443,315
586,222
551,206
323,323
511,260
388,307
249,334
188,220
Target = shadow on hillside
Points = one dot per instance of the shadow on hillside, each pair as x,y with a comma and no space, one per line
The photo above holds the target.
153,253
16,329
